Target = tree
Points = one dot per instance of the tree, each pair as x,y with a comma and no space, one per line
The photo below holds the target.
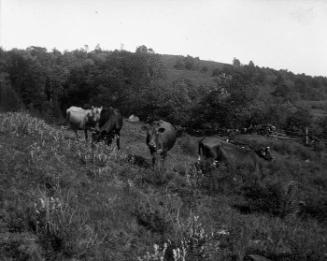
236,63
179,65
98,48
143,49
299,120
204,69
216,72
9,100
283,92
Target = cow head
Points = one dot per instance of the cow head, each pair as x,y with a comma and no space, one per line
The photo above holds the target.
94,114
206,165
152,137
265,153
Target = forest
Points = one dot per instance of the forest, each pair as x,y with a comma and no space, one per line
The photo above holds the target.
183,90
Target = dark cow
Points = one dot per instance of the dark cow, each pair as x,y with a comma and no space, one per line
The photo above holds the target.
110,124
160,138
215,150
82,119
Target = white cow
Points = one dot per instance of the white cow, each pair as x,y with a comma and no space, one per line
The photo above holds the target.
81,119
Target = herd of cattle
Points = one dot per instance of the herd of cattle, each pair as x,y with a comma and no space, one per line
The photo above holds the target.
106,123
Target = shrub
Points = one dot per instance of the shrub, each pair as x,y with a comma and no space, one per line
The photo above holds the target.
20,246
299,120
158,213
9,100
273,198
188,145
195,244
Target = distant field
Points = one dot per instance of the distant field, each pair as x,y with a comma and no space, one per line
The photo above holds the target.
314,104
170,60
318,108
197,78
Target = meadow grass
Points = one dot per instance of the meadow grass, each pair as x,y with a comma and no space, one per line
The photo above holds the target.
67,199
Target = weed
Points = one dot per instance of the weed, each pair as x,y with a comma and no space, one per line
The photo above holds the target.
63,198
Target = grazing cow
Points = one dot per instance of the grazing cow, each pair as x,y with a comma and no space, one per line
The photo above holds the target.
81,119
160,138
215,150
110,124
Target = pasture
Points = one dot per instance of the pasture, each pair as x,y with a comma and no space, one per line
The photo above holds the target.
64,199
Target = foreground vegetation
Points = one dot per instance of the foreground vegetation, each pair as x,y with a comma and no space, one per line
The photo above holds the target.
64,199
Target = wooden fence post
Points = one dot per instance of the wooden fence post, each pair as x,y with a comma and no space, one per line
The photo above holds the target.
306,136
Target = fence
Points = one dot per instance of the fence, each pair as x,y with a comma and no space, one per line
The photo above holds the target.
306,136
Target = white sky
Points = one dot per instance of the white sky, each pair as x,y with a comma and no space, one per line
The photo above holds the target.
282,34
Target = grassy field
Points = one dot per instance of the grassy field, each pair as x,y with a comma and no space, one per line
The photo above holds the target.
317,108
65,199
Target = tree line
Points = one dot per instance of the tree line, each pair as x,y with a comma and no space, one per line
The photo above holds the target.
47,82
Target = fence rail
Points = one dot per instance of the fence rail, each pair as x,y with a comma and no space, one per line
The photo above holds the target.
298,136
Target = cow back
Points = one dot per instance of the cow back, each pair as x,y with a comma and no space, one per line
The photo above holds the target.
208,147
77,116
167,138
110,120
235,156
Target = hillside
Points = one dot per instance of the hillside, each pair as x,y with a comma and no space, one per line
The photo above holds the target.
64,199
171,60
207,78
183,90
196,76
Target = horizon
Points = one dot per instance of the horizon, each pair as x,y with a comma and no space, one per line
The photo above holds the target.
107,50
282,35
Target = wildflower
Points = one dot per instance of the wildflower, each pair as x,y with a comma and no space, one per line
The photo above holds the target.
223,232
42,201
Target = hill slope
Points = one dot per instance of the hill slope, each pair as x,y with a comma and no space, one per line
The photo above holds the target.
64,199
183,90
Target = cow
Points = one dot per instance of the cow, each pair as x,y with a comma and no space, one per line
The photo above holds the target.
81,119
160,138
110,124
215,150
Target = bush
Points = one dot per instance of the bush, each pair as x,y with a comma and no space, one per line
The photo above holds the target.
293,148
9,100
158,213
20,246
273,198
299,120
188,145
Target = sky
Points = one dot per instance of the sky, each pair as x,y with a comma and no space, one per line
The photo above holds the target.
280,34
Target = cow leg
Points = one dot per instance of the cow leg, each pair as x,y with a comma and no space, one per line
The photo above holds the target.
118,141
85,132
76,134
261,173
155,162
153,155
163,156
108,139
95,137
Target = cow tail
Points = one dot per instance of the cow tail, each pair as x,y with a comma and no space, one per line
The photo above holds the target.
200,149
67,115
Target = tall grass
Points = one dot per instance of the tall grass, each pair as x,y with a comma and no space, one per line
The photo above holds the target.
63,199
